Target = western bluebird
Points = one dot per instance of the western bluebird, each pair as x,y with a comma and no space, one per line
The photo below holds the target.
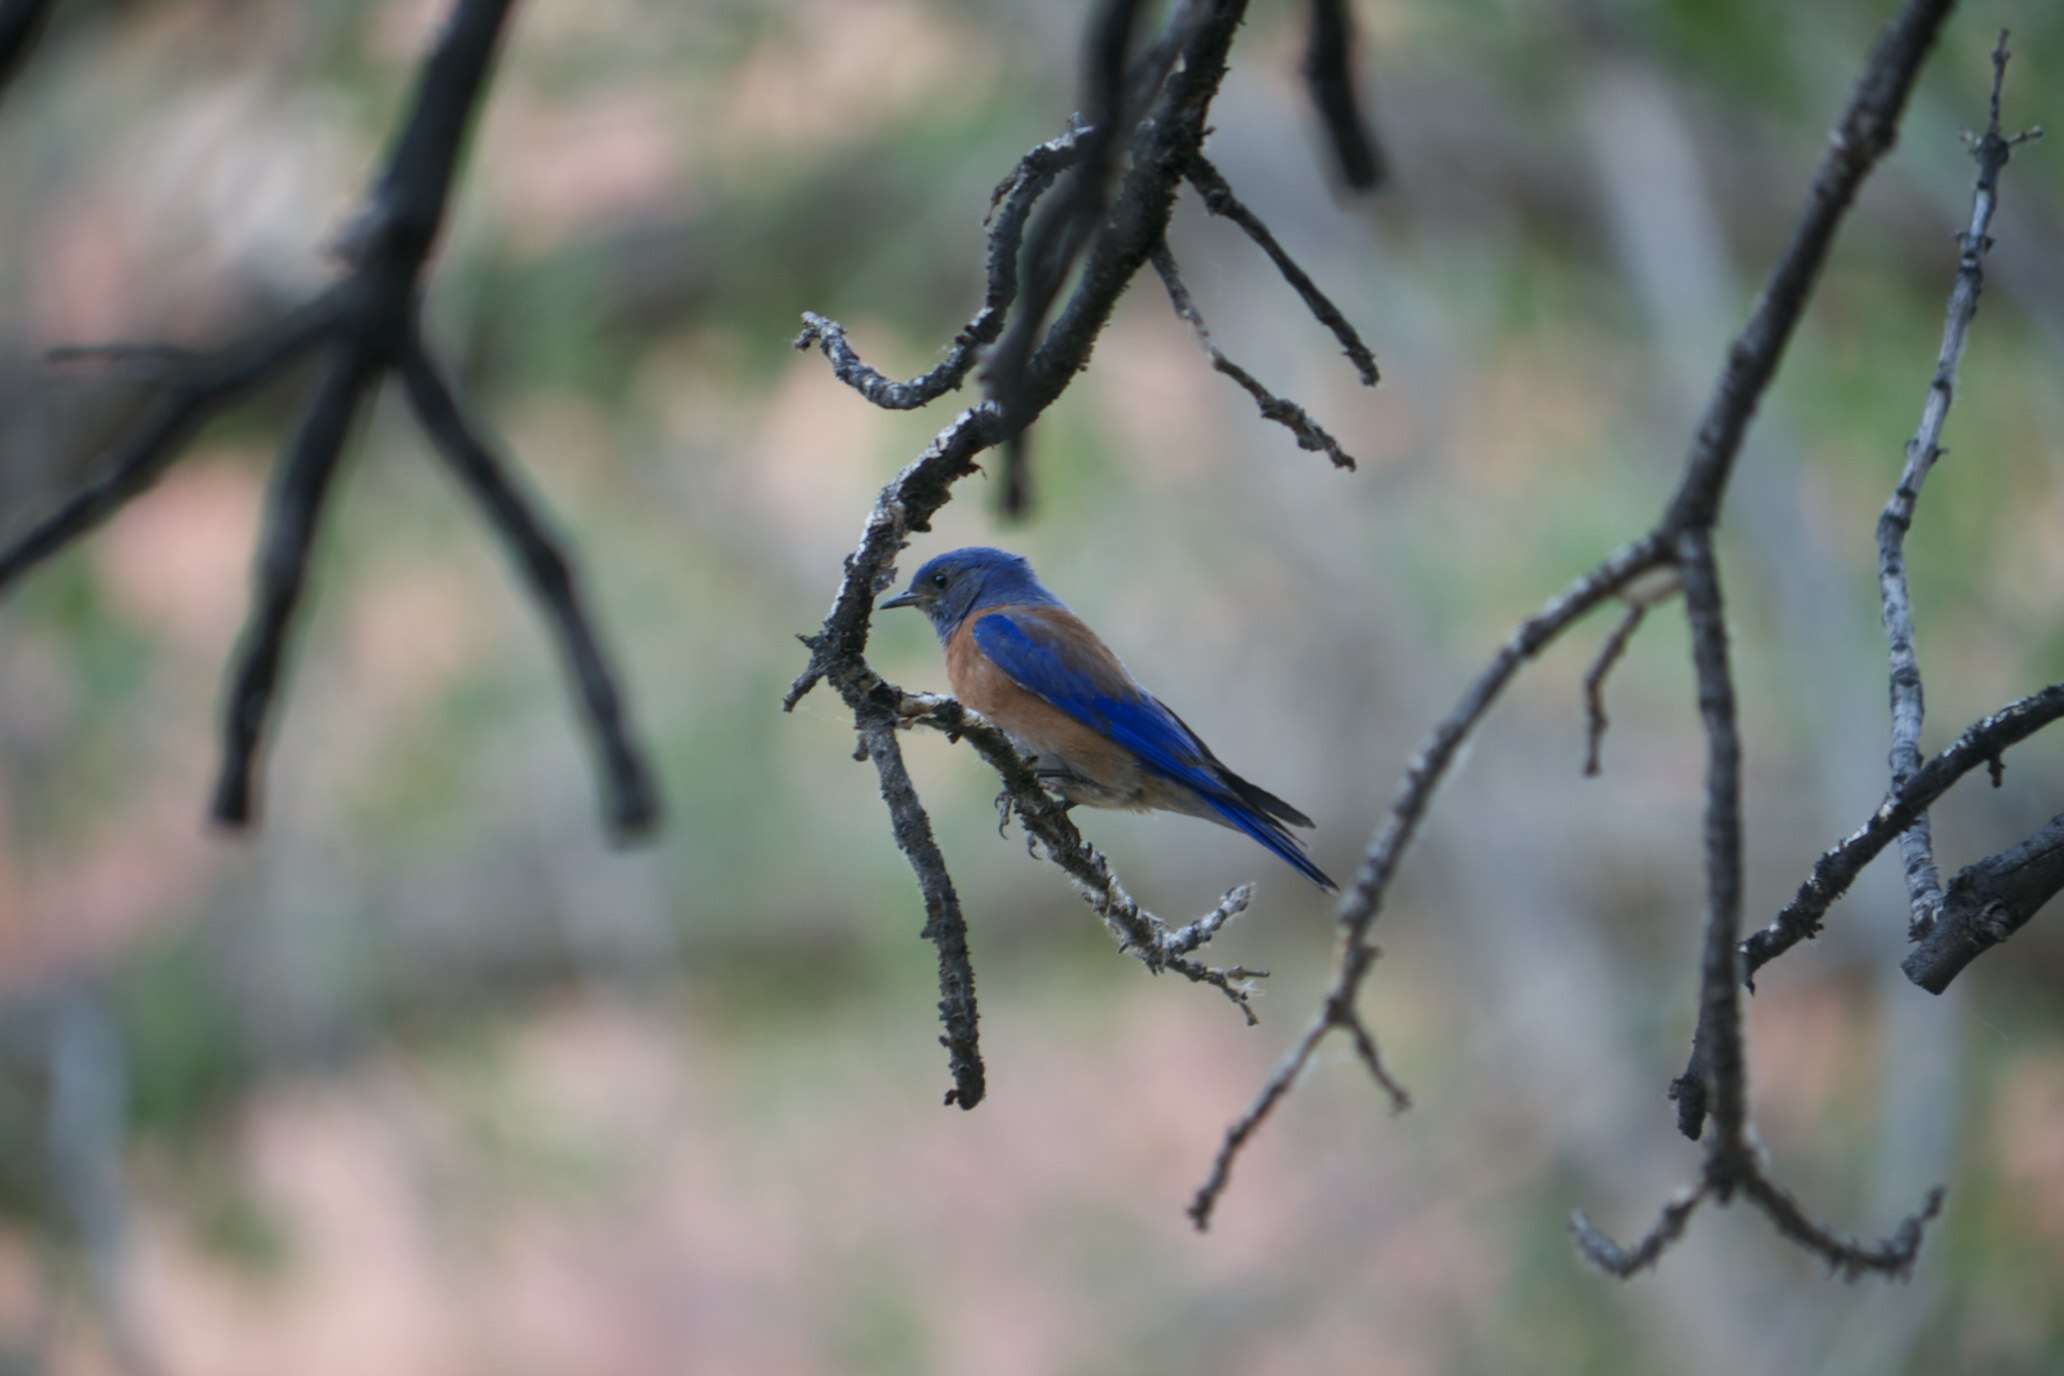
1021,659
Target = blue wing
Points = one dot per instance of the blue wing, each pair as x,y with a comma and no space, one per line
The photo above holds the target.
1071,669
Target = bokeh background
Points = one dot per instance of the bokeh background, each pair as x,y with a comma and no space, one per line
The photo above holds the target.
424,1077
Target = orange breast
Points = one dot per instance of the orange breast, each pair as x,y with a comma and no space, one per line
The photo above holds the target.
1061,744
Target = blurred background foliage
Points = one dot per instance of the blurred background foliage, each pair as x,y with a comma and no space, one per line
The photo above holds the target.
423,1077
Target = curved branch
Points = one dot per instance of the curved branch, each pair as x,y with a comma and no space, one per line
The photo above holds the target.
1916,843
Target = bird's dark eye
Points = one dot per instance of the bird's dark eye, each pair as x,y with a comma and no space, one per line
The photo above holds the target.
938,580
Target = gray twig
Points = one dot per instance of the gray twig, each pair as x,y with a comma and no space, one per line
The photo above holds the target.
1917,847
1624,1263
1594,684
1288,414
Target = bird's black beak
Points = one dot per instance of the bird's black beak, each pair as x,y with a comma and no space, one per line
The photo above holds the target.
901,599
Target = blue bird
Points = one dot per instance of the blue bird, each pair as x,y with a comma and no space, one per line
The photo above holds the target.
1015,654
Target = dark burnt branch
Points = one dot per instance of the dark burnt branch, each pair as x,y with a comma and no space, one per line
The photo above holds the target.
1682,537
21,21
1988,902
1329,77
196,385
1013,202
1061,234
1916,844
1594,684
631,798
365,324
1220,200
300,485
1288,414
1832,874
1623,1262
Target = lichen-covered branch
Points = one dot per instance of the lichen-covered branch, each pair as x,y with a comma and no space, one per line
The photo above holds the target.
1917,847
1982,743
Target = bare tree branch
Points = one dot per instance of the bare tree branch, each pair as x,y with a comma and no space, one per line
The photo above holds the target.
1594,683
367,324
1288,414
1988,902
1981,744
1014,200
1329,77
1916,844
1220,200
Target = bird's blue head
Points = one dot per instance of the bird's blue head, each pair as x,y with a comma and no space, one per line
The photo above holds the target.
954,585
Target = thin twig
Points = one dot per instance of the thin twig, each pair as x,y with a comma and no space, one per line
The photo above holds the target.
1288,414
1623,1263
1220,200
1594,683
1015,198
1917,848
1335,1013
